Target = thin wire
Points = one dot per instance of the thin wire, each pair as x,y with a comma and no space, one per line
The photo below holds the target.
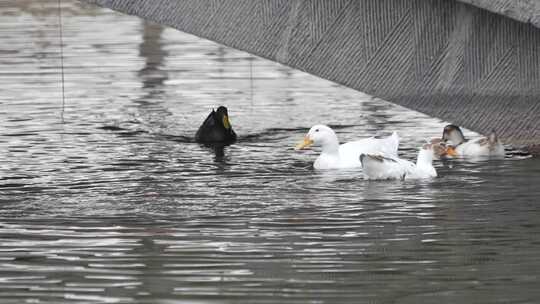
251,80
61,32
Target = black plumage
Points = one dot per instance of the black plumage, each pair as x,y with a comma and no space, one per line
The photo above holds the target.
216,128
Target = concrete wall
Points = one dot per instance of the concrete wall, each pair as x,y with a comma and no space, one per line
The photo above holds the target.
445,58
527,11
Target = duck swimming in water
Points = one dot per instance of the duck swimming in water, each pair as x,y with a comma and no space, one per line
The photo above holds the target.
335,156
459,146
376,166
216,128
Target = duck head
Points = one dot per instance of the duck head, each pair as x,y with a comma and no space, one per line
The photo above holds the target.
452,135
319,135
223,117
441,149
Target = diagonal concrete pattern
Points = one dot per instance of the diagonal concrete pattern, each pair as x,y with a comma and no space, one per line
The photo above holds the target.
475,63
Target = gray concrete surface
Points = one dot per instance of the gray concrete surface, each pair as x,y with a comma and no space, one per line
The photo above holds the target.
445,58
527,11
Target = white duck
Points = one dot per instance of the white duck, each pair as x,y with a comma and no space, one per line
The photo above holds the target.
485,146
377,166
347,155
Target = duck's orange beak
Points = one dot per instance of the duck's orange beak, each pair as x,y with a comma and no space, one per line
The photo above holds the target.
303,144
450,151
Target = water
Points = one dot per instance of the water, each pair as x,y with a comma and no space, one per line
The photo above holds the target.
110,200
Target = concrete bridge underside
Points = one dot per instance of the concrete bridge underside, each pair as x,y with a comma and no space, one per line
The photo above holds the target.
474,63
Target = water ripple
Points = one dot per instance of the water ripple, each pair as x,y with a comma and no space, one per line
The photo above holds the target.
114,202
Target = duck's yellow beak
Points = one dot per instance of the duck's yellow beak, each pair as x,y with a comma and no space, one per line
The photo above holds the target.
450,151
304,143
226,122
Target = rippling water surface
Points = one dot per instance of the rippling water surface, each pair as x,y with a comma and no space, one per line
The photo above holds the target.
110,201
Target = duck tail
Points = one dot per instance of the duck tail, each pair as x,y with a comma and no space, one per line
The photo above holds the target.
425,155
493,138
395,136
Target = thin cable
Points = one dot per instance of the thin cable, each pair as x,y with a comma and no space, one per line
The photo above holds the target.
61,32
251,80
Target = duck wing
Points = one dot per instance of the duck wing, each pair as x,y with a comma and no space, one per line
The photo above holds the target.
480,147
351,151
377,166
205,133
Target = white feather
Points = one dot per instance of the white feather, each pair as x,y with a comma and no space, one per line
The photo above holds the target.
391,167
473,148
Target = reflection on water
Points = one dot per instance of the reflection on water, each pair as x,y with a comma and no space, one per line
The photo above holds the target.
119,205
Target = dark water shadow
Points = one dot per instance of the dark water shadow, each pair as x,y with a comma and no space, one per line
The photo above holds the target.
218,149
